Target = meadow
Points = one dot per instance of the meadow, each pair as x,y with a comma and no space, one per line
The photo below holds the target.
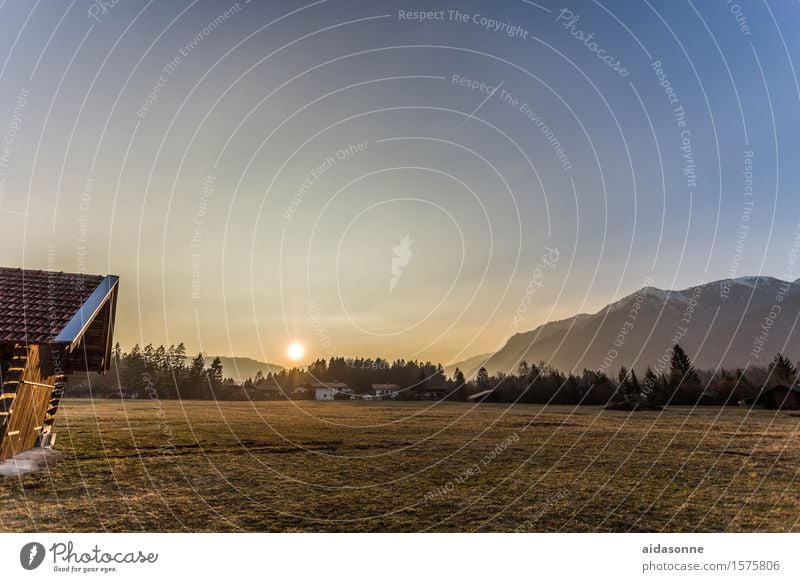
409,466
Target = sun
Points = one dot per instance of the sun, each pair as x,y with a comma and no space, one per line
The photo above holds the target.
295,351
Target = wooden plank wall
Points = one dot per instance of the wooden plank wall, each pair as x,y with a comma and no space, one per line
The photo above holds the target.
31,403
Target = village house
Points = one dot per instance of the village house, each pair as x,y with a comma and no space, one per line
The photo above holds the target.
343,392
300,392
330,391
433,393
51,324
381,391
267,391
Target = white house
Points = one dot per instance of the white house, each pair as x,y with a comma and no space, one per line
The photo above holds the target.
324,393
381,391
331,391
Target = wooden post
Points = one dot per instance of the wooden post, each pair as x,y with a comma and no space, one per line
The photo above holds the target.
8,390
47,436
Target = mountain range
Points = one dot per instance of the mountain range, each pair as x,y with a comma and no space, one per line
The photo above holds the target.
725,323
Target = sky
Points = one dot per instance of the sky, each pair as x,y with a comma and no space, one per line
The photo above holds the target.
395,179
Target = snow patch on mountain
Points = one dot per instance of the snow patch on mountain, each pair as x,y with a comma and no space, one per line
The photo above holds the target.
651,294
754,280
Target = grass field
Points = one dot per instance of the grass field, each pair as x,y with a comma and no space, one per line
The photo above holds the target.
394,466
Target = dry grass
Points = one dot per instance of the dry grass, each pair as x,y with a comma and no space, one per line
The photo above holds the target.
386,466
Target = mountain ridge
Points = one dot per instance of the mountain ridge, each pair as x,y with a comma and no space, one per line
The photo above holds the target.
241,368
719,323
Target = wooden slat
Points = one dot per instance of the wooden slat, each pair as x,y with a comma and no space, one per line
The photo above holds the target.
31,400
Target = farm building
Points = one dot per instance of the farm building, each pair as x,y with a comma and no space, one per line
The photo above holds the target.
433,393
51,324
381,391
267,391
779,397
343,391
331,391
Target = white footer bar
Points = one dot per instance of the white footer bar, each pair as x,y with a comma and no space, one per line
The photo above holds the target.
401,557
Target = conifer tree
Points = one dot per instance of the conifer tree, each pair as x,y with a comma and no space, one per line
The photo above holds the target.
782,370
623,383
196,379
681,369
650,384
215,373
483,379
635,388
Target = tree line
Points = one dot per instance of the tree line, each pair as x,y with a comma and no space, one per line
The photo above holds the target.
168,373
680,384
150,372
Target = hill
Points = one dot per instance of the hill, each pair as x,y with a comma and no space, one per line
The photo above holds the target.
728,323
240,369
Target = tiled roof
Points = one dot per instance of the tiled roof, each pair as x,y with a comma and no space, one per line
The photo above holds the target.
331,385
36,305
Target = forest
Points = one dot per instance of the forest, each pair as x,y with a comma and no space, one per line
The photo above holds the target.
168,373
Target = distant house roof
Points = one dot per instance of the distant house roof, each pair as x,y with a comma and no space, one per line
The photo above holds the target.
771,398
479,395
332,385
779,388
385,387
48,307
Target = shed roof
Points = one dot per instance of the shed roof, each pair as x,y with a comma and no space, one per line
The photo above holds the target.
480,395
331,385
35,306
779,388
49,307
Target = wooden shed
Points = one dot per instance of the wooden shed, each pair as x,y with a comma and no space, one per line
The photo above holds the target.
51,324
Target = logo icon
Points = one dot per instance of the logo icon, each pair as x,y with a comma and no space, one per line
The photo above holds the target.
402,255
31,555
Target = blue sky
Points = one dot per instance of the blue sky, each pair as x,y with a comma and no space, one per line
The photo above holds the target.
263,94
